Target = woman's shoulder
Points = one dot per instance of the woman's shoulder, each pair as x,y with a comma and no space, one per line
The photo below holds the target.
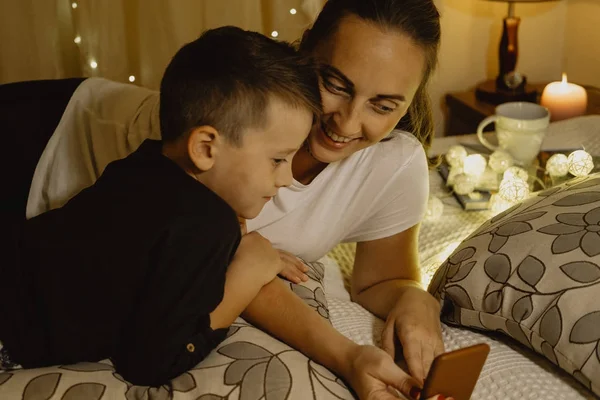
400,152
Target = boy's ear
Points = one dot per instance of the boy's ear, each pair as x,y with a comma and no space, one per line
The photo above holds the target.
203,147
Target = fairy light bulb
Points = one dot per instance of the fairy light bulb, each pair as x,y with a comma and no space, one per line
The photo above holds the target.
557,165
454,172
463,184
580,163
131,78
77,39
498,204
93,64
513,190
435,209
74,5
474,165
274,34
293,11
456,155
500,161
515,173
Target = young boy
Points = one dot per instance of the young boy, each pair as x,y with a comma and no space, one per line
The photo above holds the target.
147,266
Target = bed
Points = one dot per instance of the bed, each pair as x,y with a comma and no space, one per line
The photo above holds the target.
250,365
512,371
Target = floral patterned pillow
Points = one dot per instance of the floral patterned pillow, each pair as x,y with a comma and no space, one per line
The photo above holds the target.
533,273
248,365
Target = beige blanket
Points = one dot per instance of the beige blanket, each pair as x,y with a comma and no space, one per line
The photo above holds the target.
104,121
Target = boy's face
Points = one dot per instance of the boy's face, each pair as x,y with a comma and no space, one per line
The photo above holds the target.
247,177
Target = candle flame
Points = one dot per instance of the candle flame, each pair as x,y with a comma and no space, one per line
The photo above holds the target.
564,78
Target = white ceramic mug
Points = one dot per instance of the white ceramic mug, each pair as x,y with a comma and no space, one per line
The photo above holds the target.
520,127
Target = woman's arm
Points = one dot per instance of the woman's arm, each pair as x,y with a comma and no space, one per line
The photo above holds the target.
368,370
386,281
383,268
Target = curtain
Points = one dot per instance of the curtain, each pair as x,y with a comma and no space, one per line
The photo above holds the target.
127,40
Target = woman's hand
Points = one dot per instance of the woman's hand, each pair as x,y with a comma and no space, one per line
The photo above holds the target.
374,376
294,270
415,319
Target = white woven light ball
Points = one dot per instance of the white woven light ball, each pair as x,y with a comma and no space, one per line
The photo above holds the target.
456,155
513,190
454,172
580,163
500,161
516,172
463,184
557,165
474,165
499,204
435,209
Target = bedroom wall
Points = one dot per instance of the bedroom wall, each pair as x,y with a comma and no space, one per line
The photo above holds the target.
471,32
582,47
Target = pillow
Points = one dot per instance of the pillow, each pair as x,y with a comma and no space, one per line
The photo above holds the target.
249,364
533,273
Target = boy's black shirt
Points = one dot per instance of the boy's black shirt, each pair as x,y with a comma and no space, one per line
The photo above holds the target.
129,268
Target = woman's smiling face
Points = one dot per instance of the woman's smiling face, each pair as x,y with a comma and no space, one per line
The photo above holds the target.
368,79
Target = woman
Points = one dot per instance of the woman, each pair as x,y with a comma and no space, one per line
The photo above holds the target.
355,180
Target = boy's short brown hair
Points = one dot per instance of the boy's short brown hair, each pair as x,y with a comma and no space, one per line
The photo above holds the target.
225,79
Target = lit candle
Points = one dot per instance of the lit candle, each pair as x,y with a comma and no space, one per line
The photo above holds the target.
564,99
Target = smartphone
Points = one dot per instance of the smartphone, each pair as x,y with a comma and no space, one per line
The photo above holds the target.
455,373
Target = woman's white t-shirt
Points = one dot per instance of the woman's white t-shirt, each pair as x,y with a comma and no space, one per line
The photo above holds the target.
375,193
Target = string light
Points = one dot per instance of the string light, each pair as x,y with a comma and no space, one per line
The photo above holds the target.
498,204
500,161
454,172
74,5
274,34
93,64
474,165
435,209
513,190
463,184
428,270
293,11
466,171
131,78
580,163
77,39
557,165
516,172
456,155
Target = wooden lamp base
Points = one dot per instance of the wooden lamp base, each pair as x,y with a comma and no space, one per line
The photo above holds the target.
490,92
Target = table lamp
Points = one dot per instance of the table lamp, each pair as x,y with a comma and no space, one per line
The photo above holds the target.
510,85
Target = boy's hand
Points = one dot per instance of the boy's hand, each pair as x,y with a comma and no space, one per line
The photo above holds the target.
256,254
294,270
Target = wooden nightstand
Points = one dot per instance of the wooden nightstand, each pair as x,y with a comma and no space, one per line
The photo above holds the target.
465,112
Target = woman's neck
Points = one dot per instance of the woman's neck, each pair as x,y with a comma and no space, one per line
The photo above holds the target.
305,167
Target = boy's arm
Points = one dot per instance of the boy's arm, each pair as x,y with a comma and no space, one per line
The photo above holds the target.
255,264
168,329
